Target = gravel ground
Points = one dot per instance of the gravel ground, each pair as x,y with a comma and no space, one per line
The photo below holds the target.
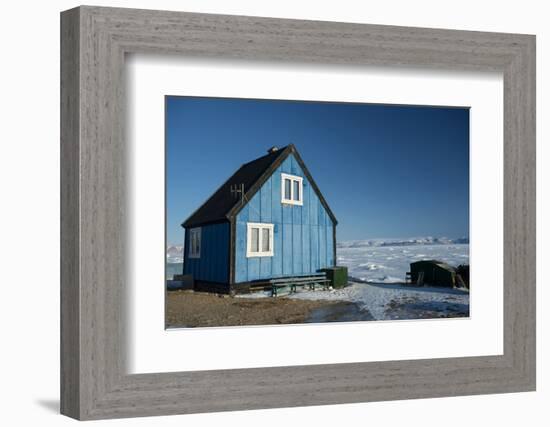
194,309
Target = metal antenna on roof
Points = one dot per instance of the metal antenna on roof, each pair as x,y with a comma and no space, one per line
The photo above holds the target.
237,189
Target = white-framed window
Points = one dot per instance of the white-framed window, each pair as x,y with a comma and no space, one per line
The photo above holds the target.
292,189
195,243
259,239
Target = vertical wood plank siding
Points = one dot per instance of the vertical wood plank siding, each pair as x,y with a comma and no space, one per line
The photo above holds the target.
303,241
212,266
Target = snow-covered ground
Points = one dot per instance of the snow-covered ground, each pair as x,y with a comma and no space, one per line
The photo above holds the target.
387,261
377,271
386,301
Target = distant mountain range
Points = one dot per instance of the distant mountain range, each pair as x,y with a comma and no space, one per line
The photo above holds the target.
403,242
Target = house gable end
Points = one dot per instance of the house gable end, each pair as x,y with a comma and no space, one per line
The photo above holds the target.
303,235
290,150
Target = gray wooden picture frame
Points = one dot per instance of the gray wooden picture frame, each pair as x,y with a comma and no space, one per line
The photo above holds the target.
94,382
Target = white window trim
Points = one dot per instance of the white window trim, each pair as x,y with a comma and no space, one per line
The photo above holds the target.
292,178
249,226
198,232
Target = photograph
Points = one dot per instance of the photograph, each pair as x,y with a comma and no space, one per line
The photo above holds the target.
295,212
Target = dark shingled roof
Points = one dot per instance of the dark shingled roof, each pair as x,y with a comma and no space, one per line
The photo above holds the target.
223,205
217,207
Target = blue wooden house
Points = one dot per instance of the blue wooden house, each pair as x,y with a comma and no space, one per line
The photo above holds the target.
268,220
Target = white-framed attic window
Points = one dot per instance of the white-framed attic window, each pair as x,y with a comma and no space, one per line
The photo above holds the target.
195,242
259,239
292,189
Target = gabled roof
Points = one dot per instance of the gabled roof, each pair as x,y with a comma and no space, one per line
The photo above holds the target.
222,205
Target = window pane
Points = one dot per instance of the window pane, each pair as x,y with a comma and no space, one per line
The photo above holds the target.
265,240
296,190
194,243
254,240
288,183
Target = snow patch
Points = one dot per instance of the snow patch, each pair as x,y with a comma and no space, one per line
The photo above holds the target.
394,301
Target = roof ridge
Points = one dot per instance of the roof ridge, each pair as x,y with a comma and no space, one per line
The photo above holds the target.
275,153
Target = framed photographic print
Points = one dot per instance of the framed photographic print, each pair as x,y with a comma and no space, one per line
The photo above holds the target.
281,213
269,230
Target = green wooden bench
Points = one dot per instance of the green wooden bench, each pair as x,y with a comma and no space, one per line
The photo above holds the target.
300,281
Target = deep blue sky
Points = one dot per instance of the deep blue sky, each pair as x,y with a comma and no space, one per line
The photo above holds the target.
386,171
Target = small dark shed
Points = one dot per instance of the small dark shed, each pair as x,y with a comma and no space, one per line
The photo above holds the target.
433,272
